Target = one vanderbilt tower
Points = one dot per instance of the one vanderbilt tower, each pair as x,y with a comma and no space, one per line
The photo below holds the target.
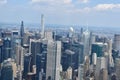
42,25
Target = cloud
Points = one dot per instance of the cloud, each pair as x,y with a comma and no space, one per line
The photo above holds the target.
3,2
69,6
52,2
82,1
99,7
52,6
96,8
104,7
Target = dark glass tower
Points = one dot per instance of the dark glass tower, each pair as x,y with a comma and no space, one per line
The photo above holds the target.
7,48
7,71
1,50
22,32
27,65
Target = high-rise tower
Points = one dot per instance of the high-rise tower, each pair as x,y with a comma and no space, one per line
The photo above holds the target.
53,60
1,50
22,29
42,26
116,42
86,43
22,32
7,48
8,69
19,59
117,67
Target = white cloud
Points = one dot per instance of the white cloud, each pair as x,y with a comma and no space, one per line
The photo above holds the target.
82,1
3,1
52,6
99,7
67,6
55,2
103,7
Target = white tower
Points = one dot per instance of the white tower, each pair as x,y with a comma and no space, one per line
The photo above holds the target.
101,63
42,25
53,60
111,62
86,43
94,58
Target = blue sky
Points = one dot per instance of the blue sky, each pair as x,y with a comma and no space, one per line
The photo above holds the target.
68,12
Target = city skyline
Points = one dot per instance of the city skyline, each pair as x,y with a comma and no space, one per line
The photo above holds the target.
59,54
66,12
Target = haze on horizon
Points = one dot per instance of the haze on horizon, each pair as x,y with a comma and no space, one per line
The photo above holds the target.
68,12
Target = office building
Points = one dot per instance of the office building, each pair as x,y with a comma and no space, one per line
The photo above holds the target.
35,48
19,59
94,59
41,60
117,67
27,65
86,42
110,57
81,72
101,63
116,42
48,35
6,33
99,48
53,60
7,48
1,50
103,74
8,70
38,48
86,66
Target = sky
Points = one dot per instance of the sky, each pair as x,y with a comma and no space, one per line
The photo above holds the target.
65,12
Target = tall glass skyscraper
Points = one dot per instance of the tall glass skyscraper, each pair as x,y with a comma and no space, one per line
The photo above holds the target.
7,48
7,70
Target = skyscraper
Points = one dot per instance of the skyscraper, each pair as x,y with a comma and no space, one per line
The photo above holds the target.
22,32
111,62
48,35
22,29
99,48
81,72
86,66
38,48
94,58
7,48
42,26
117,67
1,51
19,59
53,60
101,63
117,42
86,43
27,65
35,48
7,70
